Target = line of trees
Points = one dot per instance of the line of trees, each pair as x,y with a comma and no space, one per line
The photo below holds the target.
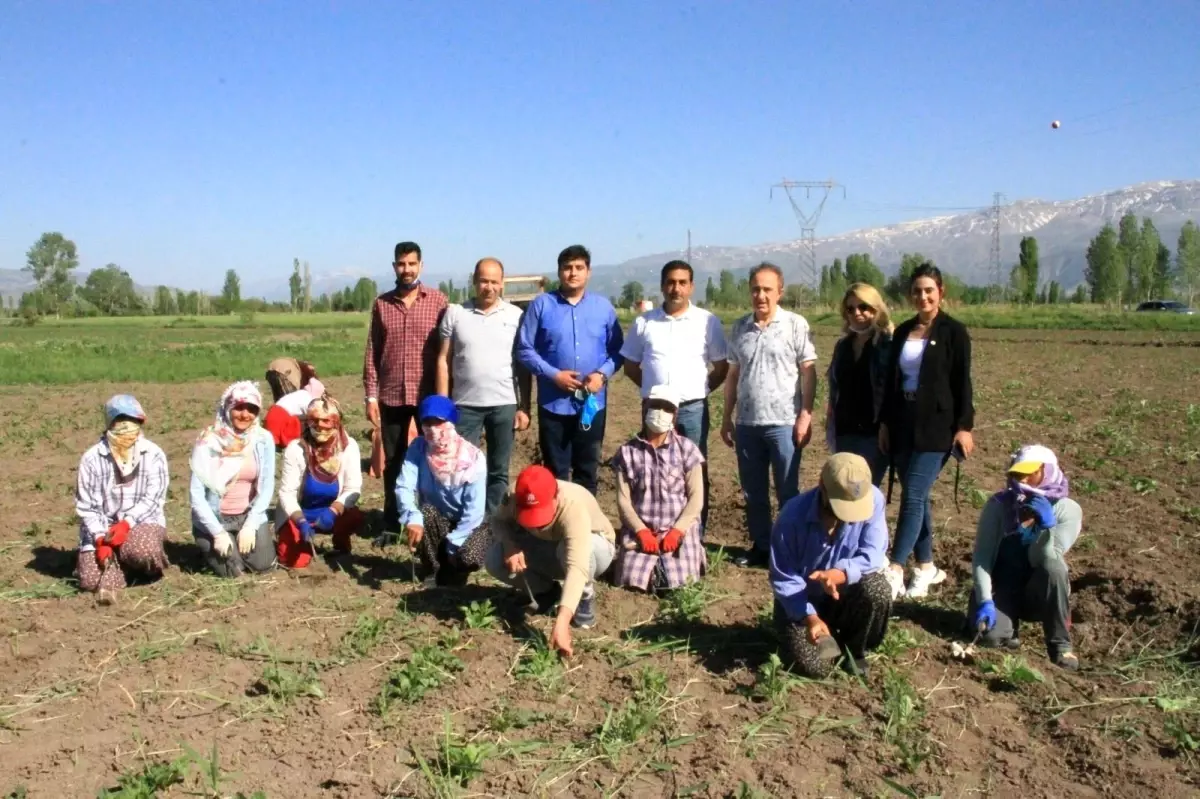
1130,264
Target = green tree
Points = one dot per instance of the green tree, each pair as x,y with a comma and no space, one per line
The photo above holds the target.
1145,279
727,293
1081,294
1054,293
1028,266
164,302
1162,272
823,291
365,292
897,285
631,294
296,285
1129,244
111,291
51,261
1187,262
710,293
859,269
231,292
1105,273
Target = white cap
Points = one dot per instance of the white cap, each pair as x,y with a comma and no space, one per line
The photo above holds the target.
665,394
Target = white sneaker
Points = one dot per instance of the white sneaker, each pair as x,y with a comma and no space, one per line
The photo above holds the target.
918,584
895,580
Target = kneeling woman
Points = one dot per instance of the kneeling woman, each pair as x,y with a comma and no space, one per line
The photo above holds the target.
319,486
233,480
120,494
660,493
441,493
294,385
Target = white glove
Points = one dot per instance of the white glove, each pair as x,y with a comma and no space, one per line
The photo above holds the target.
222,544
246,538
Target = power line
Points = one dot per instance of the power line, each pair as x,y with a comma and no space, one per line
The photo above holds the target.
808,221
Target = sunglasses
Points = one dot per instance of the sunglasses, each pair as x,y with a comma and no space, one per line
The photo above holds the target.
861,307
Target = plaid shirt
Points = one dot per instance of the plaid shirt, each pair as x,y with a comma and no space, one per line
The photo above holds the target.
399,364
657,479
103,497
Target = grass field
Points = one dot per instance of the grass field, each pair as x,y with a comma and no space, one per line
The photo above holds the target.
350,681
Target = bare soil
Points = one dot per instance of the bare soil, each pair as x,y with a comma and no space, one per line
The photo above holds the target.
88,693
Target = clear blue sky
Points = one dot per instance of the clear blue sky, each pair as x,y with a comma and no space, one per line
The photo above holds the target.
182,139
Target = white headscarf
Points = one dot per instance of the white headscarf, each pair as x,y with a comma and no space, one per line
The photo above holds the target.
219,452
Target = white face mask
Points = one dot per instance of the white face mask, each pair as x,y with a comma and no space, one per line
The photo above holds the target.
658,421
860,329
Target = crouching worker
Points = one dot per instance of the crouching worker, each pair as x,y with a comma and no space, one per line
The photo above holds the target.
828,552
660,493
233,480
549,531
120,494
319,487
294,385
1019,565
441,493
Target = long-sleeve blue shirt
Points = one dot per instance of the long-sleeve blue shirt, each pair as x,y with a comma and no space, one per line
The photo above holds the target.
462,505
800,546
555,335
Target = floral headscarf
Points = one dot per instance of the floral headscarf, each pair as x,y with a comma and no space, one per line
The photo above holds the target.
324,439
217,456
124,417
450,457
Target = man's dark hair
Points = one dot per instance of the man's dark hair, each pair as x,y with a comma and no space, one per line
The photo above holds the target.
671,266
406,247
576,252
482,261
925,269
767,266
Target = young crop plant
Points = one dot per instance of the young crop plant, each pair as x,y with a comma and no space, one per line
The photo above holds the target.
905,712
540,663
624,727
457,762
773,681
685,604
146,783
364,636
428,668
479,615
1012,672
285,686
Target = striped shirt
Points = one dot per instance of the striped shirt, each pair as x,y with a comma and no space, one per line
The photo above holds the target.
401,356
103,497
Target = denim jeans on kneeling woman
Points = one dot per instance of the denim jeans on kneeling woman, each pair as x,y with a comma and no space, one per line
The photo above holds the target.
765,451
917,472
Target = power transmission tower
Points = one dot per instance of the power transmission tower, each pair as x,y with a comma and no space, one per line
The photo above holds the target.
808,221
995,267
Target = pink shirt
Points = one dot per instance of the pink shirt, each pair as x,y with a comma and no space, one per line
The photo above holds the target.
241,491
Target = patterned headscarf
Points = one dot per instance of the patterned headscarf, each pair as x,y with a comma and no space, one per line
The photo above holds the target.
217,456
451,457
1054,484
324,439
124,416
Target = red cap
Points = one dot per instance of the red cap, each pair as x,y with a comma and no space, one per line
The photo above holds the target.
534,495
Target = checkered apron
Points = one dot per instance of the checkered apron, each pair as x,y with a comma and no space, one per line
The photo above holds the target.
657,479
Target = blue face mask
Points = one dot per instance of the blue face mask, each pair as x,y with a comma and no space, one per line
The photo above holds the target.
591,407
407,286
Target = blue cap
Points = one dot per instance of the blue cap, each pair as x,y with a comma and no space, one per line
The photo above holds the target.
123,405
436,406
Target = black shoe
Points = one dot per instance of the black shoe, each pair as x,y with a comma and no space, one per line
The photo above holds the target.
1013,643
856,666
753,559
450,577
1066,660
585,613
547,600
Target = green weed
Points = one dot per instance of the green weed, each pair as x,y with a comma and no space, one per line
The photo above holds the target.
897,641
773,681
1144,485
457,762
363,637
285,686
148,781
37,591
905,713
623,727
540,663
685,604
1013,671
428,668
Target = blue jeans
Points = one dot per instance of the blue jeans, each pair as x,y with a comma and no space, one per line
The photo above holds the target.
568,451
917,472
868,447
692,423
764,451
495,426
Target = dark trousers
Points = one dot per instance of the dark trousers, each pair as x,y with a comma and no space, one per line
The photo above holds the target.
569,451
395,420
495,426
858,621
692,423
1023,592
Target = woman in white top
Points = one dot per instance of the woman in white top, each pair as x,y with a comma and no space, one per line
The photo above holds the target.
319,486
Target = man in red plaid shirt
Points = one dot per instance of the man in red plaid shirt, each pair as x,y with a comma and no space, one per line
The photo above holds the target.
400,363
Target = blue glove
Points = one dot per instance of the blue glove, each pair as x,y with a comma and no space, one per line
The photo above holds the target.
1044,511
306,529
985,615
325,520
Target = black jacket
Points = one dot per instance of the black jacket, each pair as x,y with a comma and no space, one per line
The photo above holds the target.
944,397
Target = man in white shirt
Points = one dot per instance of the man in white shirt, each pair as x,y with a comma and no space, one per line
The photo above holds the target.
476,368
683,347
768,403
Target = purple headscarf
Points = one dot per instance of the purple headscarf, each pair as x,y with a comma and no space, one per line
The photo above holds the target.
1054,485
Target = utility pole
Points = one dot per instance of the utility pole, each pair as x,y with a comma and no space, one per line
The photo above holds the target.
307,289
995,266
808,222
689,249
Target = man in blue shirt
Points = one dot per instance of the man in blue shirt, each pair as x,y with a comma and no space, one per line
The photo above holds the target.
828,552
570,340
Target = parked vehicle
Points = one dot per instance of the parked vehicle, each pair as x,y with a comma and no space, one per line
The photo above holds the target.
1170,306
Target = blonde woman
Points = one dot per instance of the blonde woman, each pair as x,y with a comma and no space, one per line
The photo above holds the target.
856,375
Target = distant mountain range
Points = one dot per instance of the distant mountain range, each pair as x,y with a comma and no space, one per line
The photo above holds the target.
960,244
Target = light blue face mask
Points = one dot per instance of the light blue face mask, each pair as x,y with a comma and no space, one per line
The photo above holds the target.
591,407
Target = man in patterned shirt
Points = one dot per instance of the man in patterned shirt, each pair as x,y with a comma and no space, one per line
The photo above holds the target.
400,363
771,383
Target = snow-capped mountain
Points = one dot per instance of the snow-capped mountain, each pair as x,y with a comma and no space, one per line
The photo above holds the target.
959,243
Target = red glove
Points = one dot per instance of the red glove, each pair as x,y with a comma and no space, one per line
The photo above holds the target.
648,542
103,551
672,540
117,534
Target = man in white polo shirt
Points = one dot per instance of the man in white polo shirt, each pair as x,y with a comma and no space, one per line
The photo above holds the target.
476,368
683,347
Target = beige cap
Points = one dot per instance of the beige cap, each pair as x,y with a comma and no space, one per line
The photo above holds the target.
846,478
